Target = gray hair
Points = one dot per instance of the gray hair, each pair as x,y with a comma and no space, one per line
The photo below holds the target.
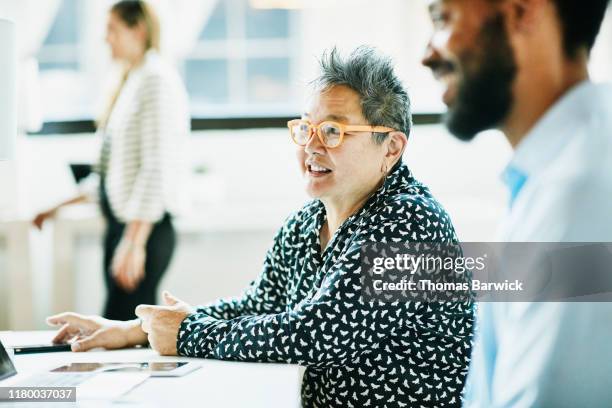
384,101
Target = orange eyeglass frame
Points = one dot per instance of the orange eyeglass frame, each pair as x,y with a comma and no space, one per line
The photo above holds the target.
343,130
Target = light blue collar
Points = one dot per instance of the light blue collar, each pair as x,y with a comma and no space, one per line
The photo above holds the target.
515,180
547,138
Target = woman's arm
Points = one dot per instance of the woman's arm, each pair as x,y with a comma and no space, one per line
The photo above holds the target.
337,325
332,329
137,232
40,218
89,332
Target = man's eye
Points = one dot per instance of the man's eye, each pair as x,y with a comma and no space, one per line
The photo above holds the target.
439,18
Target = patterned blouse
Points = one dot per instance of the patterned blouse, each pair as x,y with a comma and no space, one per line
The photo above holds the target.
306,308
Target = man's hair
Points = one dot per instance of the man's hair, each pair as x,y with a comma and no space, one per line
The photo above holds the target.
384,101
580,23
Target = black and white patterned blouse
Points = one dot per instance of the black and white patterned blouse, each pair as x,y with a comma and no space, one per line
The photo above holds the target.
305,308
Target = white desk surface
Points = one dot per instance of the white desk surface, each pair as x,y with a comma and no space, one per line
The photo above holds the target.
216,384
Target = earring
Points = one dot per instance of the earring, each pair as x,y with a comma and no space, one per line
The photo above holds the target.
385,172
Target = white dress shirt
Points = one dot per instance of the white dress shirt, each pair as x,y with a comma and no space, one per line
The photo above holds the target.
553,354
145,135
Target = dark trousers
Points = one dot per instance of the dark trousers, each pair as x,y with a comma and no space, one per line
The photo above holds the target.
120,304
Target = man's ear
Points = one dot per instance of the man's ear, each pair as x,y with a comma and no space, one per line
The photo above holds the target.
524,15
396,144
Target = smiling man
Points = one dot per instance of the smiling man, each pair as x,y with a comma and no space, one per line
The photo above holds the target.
520,66
307,306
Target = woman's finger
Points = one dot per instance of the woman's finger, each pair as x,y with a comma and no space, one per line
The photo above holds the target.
152,341
116,265
145,326
63,335
89,342
120,274
138,270
129,278
74,319
123,280
140,273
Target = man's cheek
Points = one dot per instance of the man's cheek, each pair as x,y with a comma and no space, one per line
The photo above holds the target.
440,41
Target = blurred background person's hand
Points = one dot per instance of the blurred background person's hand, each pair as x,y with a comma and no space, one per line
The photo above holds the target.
40,218
128,265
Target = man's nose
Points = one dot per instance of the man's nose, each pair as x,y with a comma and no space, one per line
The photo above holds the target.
430,55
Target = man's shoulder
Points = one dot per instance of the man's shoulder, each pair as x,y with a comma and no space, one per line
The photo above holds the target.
601,95
565,204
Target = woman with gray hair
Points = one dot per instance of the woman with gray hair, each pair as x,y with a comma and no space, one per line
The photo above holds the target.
307,307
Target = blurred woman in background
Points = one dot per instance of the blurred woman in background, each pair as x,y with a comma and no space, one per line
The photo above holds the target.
143,129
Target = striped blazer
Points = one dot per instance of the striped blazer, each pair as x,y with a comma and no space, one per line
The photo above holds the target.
143,143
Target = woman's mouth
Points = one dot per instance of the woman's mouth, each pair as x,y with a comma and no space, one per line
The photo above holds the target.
316,170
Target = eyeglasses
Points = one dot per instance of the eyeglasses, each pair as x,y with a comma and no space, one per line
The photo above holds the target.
330,133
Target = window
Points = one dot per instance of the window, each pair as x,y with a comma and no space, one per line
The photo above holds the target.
65,77
248,61
242,63
59,51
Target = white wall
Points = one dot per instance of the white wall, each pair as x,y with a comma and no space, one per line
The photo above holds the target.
398,28
601,58
3,282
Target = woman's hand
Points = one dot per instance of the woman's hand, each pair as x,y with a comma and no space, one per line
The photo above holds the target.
87,332
40,219
162,323
128,266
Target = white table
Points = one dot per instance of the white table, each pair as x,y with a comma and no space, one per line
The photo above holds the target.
215,384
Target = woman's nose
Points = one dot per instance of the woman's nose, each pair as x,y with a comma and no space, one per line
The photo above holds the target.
314,145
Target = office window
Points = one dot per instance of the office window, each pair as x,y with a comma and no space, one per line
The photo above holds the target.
247,61
65,85
59,50
242,63
207,80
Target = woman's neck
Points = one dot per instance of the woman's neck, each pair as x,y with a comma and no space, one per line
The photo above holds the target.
338,211
337,214
135,61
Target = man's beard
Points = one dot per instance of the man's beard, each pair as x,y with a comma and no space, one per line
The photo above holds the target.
484,95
